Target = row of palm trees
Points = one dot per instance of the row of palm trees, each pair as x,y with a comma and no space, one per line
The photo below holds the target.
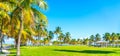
19,19
66,38
46,36
111,37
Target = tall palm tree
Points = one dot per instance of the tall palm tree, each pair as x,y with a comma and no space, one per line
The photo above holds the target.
26,35
92,39
4,19
58,31
61,37
118,35
114,36
41,31
41,28
27,15
67,38
50,35
107,37
97,37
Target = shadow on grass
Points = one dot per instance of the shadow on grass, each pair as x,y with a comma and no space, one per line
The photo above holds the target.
12,54
87,51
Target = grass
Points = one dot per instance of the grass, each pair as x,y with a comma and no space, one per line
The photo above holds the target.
67,51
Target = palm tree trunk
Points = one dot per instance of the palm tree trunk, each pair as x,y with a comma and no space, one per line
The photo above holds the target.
1,35
39,39
16,40
1,43
61,42
19,37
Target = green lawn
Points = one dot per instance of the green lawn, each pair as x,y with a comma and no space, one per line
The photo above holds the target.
67,51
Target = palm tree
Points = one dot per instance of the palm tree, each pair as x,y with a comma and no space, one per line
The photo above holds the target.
3,30
114,36
86,41
58,31
79,41
25,36
73,42
46,41
4,20
107,37
61,37
50,35
55,42
67,38
97,37
41,31
92,39
118,35
24,11
41,28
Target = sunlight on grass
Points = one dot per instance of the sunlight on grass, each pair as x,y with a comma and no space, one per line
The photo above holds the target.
67,51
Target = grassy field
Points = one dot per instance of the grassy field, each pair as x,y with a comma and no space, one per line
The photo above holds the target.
67,51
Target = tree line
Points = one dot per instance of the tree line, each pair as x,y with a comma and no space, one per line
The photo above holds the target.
66,39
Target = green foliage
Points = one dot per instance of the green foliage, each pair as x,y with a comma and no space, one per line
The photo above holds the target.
58,30
50,35
73,42
92,38
86,41
67,38
97,37
61,37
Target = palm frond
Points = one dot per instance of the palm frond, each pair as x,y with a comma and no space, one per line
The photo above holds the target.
39,16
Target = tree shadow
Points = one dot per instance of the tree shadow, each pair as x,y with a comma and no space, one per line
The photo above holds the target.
87,51
12,54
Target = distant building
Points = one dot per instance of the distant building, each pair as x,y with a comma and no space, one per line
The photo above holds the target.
115,43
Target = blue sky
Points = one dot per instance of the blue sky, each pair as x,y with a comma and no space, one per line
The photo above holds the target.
84,17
